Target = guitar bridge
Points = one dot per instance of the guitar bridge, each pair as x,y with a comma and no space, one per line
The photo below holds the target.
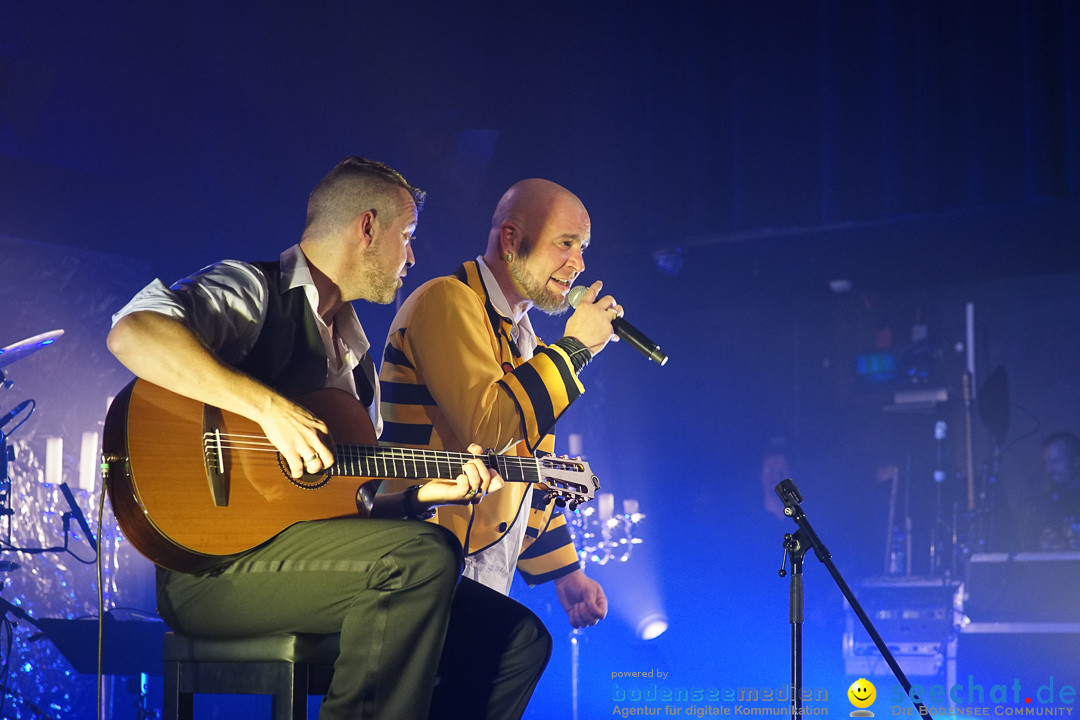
215,460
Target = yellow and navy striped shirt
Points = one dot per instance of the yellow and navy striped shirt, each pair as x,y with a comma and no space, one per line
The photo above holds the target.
452,375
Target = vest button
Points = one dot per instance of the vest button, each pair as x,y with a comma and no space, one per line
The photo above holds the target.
502,527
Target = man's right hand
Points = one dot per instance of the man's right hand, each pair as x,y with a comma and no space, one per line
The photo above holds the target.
300,437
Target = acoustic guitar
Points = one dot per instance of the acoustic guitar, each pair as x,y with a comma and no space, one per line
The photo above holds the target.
191,484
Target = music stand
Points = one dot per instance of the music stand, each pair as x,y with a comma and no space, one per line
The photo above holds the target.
129,647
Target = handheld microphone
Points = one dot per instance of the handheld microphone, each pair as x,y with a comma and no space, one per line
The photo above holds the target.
13,413
624,330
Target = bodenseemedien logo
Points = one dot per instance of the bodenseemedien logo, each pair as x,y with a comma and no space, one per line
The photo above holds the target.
862,694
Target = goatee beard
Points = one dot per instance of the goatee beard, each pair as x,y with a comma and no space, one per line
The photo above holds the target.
541,298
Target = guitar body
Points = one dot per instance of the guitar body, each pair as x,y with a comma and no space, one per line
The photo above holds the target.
187,513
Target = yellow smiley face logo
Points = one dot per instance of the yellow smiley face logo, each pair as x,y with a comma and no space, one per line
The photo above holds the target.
862,693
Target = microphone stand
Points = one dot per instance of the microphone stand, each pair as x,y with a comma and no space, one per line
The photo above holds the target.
7,454
795,546
795,549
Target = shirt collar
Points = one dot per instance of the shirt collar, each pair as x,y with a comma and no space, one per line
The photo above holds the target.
499,301
296,273
294,269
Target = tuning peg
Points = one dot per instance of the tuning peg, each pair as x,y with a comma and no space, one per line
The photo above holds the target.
560,501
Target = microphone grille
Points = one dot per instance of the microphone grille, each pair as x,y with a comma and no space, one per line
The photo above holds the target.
576,293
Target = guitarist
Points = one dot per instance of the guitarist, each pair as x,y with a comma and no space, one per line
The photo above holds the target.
461,362
245,338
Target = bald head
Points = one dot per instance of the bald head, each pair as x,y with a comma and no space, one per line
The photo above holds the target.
530,205
539,233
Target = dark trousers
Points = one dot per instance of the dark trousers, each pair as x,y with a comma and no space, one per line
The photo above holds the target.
388,586
496,650
385,585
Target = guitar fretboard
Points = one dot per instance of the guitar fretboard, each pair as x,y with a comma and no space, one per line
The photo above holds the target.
404,463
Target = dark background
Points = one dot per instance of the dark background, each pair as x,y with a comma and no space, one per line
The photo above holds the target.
735,158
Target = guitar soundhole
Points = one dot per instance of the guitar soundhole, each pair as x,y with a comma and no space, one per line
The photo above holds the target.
307,481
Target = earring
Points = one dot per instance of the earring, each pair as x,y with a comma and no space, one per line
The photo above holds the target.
509,257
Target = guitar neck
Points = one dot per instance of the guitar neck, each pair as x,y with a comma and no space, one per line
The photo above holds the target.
407,464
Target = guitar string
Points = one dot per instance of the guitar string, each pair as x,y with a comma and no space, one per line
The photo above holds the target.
256,443
354,453
233,441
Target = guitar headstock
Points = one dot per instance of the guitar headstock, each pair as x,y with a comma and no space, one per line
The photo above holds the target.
567,481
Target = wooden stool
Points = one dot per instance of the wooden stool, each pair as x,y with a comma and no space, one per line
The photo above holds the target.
289,666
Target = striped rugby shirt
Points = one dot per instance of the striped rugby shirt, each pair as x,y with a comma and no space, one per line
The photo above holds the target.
452,374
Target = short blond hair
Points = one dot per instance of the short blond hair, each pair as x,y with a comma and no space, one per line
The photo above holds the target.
355,186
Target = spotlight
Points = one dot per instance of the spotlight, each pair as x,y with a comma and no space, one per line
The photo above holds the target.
652,626
840,286
669,261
